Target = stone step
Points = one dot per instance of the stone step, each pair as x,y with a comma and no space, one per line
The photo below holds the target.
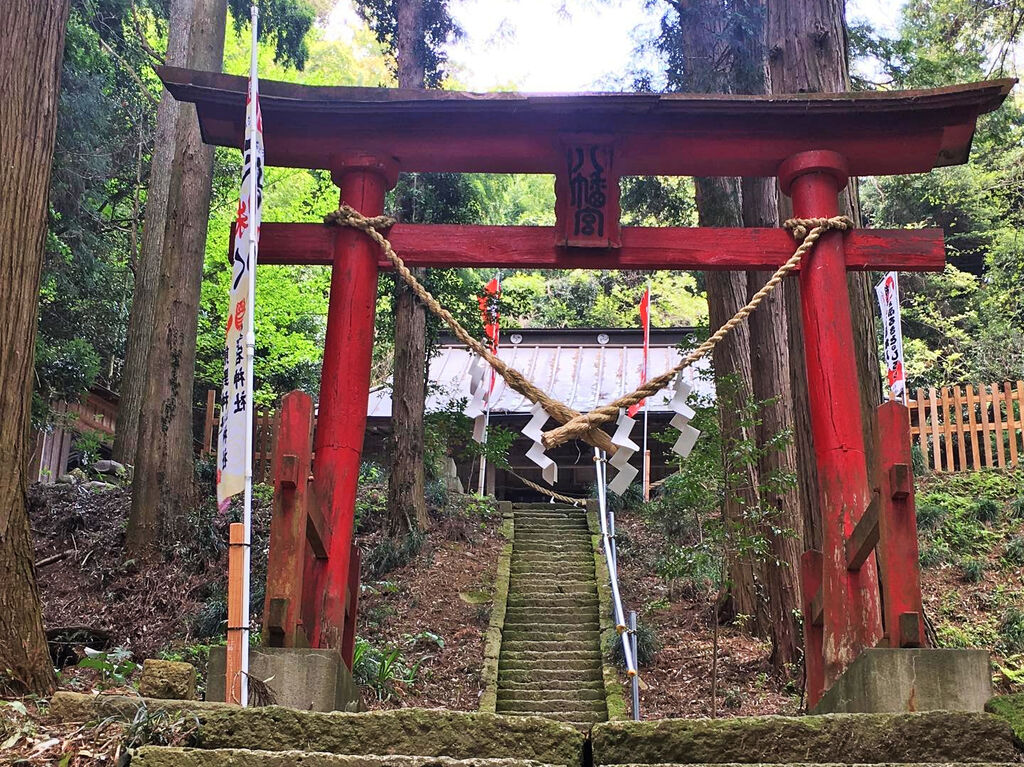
927,737
553,589
532,562
530,580
550,664
552,706
530,599
556,547
549,523
420,732
582,632
167,756
578,719
541,675
508,645
510,693
553,536
591,653
549,686
582,617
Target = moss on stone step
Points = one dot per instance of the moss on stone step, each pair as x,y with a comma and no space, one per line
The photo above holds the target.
162,756
420,732
1011,709
845,738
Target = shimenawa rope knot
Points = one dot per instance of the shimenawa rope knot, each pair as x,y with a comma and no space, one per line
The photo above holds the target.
807,231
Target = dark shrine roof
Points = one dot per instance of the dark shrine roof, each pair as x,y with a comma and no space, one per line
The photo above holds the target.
879,132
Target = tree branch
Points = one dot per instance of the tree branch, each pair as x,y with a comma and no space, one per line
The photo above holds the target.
131,73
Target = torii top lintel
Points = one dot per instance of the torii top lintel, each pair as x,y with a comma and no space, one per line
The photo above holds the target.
879,132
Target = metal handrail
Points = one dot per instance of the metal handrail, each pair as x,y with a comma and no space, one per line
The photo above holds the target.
608,538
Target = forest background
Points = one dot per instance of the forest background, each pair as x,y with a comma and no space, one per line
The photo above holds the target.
962,325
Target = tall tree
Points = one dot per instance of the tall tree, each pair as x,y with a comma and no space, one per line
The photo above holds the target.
414,31
162,491
32,38
807,52
147,265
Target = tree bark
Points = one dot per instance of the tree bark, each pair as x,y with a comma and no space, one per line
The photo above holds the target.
147,266
407,508
807,52
32,38
163,487
770,364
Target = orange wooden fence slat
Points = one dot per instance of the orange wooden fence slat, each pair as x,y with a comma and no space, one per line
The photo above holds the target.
997,420
1020,410
986,425
947,426
922,435
972,403
961,431
933,407
1011,422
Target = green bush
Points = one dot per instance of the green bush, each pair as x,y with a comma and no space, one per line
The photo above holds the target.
934,554
973,570
917,462
985,510
1014,553
929,515
1016,507
390,554
646,646
1011,630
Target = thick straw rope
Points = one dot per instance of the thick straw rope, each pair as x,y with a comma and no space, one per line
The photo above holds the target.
575,425
550,493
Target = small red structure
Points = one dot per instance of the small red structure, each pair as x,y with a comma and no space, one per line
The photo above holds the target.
812,142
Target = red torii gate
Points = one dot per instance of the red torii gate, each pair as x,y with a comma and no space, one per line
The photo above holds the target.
812,142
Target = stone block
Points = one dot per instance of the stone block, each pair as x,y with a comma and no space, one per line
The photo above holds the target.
933,737
925,679
162,756
306,679
168,680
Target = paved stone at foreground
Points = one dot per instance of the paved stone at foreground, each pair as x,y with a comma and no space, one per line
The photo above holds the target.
936,737
423,732
162,756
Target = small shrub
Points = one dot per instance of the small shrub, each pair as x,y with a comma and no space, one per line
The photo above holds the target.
1011,630
973,570
1016,507
985,510
390,554
1014,553
646,646
114,666
934,554
929,515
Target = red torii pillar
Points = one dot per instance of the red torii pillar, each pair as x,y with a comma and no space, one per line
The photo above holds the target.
852,619
345,389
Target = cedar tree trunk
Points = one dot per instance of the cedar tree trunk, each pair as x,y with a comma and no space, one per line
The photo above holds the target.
407,509
147,265
807,52
163,488
31,47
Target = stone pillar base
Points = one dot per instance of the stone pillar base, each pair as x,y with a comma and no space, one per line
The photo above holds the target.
306,679
885,680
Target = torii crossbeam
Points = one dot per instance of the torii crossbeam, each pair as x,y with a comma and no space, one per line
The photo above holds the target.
812,142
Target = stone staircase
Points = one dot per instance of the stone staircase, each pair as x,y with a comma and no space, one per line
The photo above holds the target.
550,660
220,735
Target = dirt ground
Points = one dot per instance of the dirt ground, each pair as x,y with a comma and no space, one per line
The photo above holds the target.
678,683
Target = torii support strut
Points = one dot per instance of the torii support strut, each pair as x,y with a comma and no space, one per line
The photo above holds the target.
813,142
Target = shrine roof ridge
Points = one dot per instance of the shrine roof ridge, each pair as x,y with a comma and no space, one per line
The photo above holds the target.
879,132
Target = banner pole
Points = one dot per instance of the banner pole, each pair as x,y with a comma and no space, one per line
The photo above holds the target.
647,455
250,354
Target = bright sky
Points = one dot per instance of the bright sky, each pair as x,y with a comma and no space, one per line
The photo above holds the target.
574,45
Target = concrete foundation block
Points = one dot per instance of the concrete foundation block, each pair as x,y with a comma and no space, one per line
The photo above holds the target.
884,680
306,679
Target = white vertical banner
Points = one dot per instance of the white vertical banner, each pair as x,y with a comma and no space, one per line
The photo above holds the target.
888,292
233,445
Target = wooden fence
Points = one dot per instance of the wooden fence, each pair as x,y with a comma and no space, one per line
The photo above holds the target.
264,429
969,427
52,450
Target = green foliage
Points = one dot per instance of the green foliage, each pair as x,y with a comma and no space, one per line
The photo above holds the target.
381,668
929,515
646,646
115,666
1011,630
1016,508
1014,554
974,570
285,22
438,30
390,554
985,510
